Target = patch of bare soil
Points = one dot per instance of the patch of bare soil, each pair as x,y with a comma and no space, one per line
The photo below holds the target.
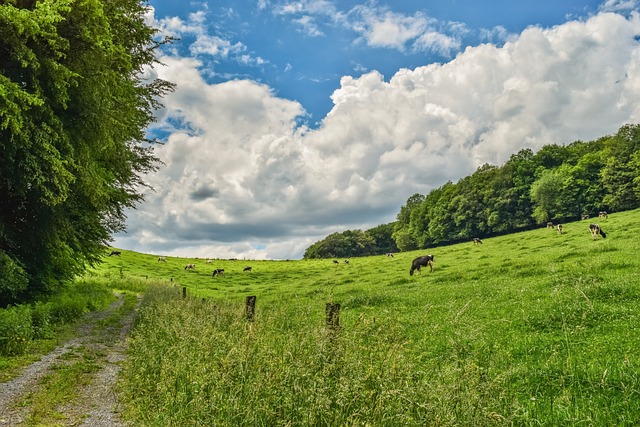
96,403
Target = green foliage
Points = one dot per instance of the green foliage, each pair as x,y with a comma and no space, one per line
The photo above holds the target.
347,244
20,324
558,183
13,279
73,111
15,330
548,195
382,236
42,319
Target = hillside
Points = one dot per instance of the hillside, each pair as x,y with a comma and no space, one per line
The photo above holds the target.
529,256
531,328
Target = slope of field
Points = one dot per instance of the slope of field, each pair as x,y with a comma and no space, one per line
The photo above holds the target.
533,328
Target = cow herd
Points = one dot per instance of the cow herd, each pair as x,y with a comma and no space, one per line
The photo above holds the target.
594,229
417,263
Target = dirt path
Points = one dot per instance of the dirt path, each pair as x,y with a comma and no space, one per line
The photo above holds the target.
101,334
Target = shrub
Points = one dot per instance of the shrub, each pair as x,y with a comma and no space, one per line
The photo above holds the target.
41,320
13,280
16,330
65,308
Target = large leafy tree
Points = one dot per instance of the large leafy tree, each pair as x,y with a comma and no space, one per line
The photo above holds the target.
551,197
404,228
619,173
73,112
349,243
382,238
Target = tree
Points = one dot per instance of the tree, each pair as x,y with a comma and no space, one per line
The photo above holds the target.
382,238
618,181
73,112
403,233
547,193
348,243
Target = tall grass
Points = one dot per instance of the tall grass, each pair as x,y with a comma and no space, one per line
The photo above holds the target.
528,329
21,324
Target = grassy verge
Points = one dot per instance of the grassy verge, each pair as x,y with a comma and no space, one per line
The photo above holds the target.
31,330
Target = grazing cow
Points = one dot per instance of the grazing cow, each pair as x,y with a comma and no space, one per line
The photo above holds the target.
346,261
550,225
477,241
209,261
162,258
595,230
335,261
584,216
190,267
218,272
115,253
559,228
389,254
421,261
247,268
603,214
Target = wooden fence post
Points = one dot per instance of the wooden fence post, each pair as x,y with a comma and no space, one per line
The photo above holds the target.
332,313
250,307
184,292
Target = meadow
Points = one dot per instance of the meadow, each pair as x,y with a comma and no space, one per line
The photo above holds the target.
532,328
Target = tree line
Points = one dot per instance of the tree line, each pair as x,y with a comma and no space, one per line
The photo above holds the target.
74,106
558,183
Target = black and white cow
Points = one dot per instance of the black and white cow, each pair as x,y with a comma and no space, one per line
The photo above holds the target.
595,230
420,262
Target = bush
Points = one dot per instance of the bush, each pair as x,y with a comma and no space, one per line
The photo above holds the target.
65,308
16,330
13,280
41,320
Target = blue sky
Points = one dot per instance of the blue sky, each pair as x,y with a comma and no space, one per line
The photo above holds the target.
302,49
292,120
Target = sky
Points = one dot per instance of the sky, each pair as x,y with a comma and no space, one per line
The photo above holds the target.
293,120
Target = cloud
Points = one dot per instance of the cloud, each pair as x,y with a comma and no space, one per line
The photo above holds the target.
309,26
377,26
200,42
389,29
242,179
620,5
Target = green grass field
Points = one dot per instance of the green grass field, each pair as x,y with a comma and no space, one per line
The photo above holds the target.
532,328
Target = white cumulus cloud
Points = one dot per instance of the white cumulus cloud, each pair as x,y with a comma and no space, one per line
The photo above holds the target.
243,180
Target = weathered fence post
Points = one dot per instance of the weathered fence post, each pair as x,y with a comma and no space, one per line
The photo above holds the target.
250,307
332,313
184,292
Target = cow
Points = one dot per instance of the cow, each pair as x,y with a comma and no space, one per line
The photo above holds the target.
209,261
389,254
162,258
584,216
550,225
218,272
346,261
335,261
477,241
190,267
421,261
115,253
603,214
559,228
595,230
247,268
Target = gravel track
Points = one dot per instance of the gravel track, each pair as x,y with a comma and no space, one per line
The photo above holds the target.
96,404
